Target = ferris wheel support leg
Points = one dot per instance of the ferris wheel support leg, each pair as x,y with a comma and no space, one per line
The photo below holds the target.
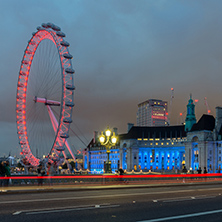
68,147
55,127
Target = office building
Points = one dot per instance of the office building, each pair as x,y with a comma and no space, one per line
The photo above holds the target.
152,112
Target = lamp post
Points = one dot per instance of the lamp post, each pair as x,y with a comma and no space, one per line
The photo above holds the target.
108,140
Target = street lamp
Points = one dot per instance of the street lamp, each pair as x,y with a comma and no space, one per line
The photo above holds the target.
108,140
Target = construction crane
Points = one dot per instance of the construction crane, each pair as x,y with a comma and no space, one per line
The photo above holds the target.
207,106
170,106
182,120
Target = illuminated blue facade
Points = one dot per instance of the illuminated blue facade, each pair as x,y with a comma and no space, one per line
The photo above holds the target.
156,154
142,148
167,148
96,157
161,158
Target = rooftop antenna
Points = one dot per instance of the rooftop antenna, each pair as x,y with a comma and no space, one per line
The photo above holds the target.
170,106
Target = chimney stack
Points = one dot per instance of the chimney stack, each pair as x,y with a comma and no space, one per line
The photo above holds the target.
95,136
115,130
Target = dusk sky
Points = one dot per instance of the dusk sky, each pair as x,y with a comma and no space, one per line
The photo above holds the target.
124,52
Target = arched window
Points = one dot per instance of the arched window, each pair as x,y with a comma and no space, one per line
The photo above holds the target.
195,139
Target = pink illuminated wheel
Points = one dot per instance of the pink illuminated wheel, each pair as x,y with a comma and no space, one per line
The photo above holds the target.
45,95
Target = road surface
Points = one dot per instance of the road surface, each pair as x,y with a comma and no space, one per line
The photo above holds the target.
169,203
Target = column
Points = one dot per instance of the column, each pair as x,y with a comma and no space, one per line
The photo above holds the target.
129,159
120,157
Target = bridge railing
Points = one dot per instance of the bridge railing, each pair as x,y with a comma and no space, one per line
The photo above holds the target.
18,180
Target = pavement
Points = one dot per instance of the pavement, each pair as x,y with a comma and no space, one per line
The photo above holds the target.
82,187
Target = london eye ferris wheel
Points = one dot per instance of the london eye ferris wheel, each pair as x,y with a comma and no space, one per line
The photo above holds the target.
45,91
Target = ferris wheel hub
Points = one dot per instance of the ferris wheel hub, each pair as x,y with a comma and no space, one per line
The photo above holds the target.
46,101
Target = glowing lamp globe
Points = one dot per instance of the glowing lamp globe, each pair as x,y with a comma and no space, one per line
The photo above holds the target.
108,133
114,140
102,139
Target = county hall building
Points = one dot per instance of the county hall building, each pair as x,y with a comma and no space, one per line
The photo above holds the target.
163,148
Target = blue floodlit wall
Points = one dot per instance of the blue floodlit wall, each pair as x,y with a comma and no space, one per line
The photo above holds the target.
195,156
99,157
85,162
124,159
163,158
219,156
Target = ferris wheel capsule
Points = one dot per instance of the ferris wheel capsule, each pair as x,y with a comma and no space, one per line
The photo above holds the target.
56,28
70,87
39,28
64,135
44,25
50,25
67,120
70,70
60,34
69,104
64,43
67,56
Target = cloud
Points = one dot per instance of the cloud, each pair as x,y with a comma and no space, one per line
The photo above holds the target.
124,52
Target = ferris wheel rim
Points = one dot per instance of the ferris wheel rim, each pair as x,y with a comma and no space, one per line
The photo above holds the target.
53,33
